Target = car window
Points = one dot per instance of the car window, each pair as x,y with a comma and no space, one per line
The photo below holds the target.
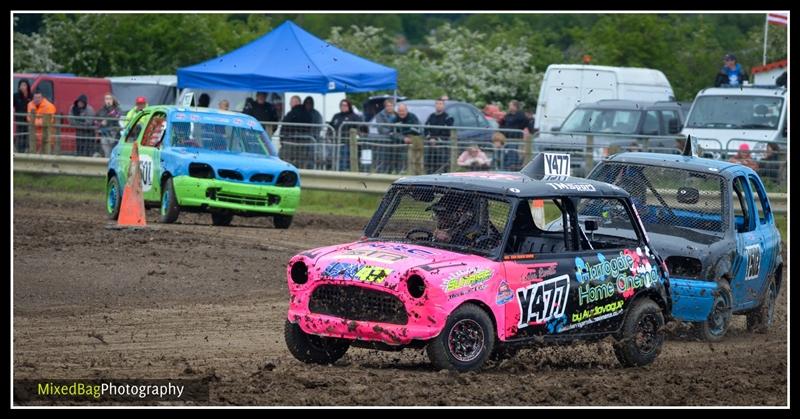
154,131
760,200
736,111
133,134
672,121
538,228
458,117
742,211
610,121
612,223
650,126
46,87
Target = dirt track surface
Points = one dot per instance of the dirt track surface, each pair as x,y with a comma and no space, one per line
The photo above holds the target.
192,300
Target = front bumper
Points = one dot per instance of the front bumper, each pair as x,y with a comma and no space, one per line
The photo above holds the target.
424,321
692,299
243,197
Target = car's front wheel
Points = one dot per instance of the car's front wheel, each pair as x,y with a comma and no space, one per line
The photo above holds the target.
169,203
716,326
760,319
466,341
221,218
642,334
282,221
313,349
113,198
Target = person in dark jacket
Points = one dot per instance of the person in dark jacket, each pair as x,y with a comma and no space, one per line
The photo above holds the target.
84,128
21,99
204,100
731,73
514,120
342,131
437,154
781,80
109,128
408,125
295,137
260,109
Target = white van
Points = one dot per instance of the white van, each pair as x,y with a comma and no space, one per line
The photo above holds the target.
566,85
726,117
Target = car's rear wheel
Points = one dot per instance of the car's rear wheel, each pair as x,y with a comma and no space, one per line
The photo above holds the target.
313,349
221,218
716,326
282,221
113,198
760,319
169,203
642,334
466,341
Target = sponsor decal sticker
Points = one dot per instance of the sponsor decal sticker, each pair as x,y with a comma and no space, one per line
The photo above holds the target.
504,293
356,272
543,301
467,279
374,255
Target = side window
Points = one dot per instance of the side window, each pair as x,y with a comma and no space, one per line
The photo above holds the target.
651,125
606,224
742,211
154,130
458,117
539,228
672,121
133,134
760,200
46,86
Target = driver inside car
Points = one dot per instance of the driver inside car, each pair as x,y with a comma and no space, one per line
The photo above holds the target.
457,221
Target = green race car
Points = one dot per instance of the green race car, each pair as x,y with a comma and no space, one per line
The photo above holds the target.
204,160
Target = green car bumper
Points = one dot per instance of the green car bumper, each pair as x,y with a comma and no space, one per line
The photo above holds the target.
238,197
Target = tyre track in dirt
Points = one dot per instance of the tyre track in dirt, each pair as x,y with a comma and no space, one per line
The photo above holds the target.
194,300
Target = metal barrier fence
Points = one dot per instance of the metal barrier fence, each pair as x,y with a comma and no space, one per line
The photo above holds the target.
424,149
368,147
87,136
310,179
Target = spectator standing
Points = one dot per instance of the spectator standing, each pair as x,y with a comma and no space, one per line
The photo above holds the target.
109,128
84,128
223,105
436,154
293,137
388,115
514,120
408,126
261,110
22,97
744,158
503,157
731,73
345,115
204,100
42,114
771,164
141,103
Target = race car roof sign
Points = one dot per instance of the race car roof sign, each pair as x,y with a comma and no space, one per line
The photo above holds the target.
548,164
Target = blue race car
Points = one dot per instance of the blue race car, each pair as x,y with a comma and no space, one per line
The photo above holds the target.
204,160
712,222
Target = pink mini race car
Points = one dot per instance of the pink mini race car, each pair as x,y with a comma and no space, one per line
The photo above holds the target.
477,265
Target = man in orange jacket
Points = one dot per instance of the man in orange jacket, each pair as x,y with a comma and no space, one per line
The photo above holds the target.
42,113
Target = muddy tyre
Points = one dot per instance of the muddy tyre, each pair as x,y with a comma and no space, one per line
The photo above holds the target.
760,319
313,349
221,218
113,198
642,334
169,209
718,322
466,341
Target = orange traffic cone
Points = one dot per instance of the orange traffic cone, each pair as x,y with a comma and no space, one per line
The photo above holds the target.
131,211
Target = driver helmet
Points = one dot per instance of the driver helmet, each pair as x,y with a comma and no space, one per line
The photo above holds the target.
453,210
